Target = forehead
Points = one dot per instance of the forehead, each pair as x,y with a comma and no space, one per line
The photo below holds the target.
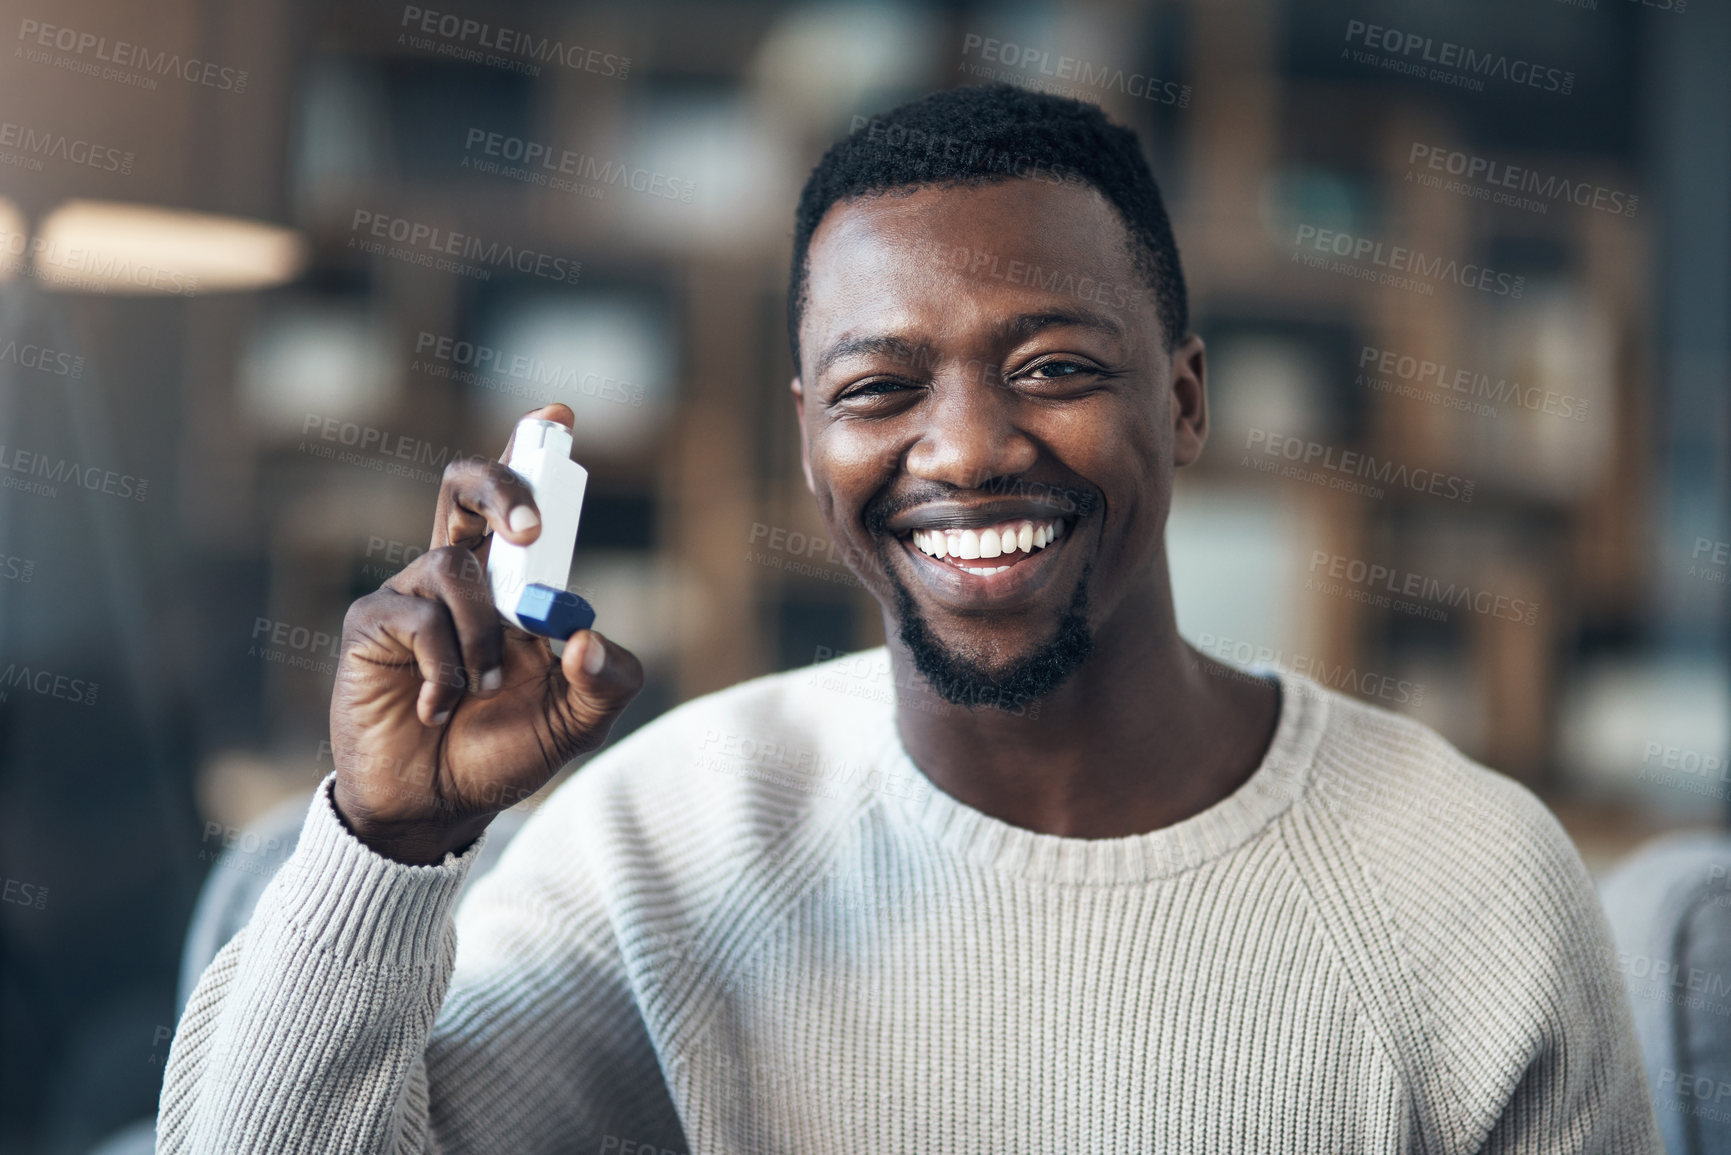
914,256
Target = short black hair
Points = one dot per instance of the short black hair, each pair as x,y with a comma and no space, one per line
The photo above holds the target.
993,132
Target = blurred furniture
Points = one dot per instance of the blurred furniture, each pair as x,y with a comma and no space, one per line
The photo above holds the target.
1670,910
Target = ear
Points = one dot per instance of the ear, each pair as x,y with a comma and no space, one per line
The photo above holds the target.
1189,400
798,391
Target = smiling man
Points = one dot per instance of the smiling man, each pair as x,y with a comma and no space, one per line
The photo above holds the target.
1077,888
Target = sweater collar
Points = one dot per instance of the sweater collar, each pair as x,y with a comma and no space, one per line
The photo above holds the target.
1281,777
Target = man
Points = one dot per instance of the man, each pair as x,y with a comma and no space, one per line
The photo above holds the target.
1078,889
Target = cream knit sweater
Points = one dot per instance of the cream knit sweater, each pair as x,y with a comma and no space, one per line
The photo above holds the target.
753,926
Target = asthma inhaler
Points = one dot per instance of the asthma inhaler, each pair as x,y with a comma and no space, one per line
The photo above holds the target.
528,581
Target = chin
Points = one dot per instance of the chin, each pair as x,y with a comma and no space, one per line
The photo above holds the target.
1011,685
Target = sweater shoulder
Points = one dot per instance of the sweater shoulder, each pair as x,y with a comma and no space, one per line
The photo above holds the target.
1458,899
1408,800
716,815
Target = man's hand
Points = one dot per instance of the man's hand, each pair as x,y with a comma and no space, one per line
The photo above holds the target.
443,714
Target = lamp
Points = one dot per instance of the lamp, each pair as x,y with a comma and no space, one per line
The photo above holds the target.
14,238
117,247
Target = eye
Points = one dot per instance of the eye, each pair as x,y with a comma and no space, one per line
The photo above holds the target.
1069,369
871,390
876,388
1063,369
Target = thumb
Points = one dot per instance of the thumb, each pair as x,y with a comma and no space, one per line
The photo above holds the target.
601,678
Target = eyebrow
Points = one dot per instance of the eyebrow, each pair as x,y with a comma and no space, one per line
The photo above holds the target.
1020,328
1014,330
870,346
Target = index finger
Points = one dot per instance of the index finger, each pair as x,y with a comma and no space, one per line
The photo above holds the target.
479,497
554,412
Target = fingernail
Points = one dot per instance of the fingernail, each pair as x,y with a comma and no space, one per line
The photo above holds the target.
594,656
492,680
441,718
522,518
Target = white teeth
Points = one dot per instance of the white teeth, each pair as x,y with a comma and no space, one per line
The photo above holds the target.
992,541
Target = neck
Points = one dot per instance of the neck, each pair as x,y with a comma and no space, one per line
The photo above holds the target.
1146,733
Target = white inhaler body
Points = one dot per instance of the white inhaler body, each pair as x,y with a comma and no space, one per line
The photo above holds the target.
528,581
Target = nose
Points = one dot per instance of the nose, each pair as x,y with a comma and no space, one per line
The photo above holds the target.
972,434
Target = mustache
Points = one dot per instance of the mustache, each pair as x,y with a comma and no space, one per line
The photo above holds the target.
1071,500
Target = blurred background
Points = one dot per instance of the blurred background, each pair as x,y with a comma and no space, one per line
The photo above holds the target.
1464,275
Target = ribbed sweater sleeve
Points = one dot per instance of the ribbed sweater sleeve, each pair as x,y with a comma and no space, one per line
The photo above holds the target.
328,1024
307,1031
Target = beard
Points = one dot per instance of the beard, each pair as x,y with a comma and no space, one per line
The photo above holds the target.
962,681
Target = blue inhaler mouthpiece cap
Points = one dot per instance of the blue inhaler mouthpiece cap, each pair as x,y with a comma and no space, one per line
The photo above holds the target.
553,613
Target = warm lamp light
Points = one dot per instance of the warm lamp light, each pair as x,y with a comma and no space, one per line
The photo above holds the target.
14,239
113,247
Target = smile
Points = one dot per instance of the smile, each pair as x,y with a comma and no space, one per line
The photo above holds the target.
1014,541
